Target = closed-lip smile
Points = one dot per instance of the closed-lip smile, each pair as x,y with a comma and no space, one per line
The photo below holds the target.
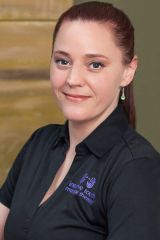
76,97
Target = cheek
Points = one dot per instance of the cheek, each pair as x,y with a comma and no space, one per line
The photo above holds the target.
101,85
105,88
57,78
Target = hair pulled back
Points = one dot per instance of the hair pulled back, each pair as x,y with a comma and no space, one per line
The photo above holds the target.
123,32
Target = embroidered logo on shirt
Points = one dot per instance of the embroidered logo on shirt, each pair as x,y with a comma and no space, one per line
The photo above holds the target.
89,183
82,189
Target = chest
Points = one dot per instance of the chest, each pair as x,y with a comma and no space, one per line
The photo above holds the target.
58,199
59,176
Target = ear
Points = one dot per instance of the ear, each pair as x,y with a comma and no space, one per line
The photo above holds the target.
129,72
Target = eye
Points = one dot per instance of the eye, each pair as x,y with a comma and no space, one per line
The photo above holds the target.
96,65
62,62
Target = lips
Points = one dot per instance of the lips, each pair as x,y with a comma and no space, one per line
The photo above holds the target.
76,97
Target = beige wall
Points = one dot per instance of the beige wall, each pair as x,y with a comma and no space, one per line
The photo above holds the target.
32,9
146,18
26,36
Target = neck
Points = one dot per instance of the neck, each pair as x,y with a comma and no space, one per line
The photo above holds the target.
78,131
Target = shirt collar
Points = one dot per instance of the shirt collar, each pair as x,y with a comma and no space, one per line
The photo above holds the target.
102,138
108,133
63,134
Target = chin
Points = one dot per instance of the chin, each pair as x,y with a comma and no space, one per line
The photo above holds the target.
75,116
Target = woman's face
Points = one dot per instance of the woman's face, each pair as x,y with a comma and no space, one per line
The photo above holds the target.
87,71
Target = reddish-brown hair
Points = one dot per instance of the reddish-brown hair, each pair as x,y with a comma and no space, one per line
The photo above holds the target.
123,32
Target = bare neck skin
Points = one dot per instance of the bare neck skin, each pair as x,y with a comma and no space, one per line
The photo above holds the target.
78,131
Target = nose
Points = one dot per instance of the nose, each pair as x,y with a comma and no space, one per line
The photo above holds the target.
75,77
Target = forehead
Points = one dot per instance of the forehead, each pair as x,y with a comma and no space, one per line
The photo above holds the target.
87,30
88,36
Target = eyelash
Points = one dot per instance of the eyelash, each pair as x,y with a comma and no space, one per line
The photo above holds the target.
60,60
57,61
99,63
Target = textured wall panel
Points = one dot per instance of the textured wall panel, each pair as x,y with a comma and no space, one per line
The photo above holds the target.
26,29
32,9
25,45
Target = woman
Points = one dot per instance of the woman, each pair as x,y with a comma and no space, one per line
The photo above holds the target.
95,176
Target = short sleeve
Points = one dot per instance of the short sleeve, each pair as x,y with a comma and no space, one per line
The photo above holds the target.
133,201
8,187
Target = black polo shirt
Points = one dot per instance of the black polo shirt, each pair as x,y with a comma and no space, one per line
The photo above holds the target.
111,191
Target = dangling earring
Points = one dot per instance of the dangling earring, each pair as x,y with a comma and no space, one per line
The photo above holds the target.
123,95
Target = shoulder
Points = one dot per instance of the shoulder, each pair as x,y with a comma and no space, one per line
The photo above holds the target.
131,191
138,146
134,148
42,138
136,165
39,142
47,130
133,160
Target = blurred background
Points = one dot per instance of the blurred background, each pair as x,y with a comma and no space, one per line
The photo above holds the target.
26,101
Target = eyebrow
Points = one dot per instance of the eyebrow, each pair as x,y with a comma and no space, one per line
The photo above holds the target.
89,55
